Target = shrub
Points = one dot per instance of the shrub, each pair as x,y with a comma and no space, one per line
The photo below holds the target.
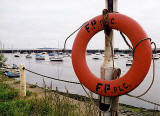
17,82
2,59
28,93
33,86
7,93
15,108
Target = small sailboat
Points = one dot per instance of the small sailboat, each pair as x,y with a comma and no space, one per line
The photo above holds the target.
122,55
51,54
15,66
98,53
25,52
12,74
40,57
88,53
126,56
17,54
44,53
115,56
56,58
96,56
28,56
129,63
66,54
155,56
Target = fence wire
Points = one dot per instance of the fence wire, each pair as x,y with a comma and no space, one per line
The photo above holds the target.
142,99
51,77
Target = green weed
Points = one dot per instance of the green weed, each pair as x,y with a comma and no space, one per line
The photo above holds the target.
7,93
33,86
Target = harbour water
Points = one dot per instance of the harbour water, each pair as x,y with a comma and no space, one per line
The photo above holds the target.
64,70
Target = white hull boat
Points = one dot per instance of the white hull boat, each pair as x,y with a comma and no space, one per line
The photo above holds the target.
56,59
39,57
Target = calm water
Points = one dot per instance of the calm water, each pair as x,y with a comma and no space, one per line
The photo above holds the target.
64,70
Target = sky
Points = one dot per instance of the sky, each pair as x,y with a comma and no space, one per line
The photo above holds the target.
46,23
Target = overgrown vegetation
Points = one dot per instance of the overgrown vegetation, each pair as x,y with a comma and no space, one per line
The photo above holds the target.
28,93
17,82
7,93
33,86
36,107
15,108
2,59
50,104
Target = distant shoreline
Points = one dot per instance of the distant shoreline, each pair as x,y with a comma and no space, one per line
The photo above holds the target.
116,50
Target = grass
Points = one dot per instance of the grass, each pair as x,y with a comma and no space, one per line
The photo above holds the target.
33,86
34,107
139,111
51,104
17,82
4,78
15,108
48,106
1,73
28,93
7,93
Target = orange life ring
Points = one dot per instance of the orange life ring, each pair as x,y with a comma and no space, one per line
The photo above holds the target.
141,62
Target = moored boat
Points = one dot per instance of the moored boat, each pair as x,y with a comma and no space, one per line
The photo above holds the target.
40,57
17,54
129,63
11,74
28,56
115,56
96,57
51,54
56,58
155,56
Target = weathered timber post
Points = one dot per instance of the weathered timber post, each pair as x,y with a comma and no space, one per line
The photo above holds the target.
109,105
22,81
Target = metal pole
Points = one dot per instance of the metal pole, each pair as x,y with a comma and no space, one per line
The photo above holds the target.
108,105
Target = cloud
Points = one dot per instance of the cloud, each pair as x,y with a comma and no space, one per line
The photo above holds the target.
38,23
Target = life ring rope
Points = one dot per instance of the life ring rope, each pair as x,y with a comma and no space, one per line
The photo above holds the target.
153,70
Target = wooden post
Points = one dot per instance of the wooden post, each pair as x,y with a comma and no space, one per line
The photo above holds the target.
22,81
108,105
